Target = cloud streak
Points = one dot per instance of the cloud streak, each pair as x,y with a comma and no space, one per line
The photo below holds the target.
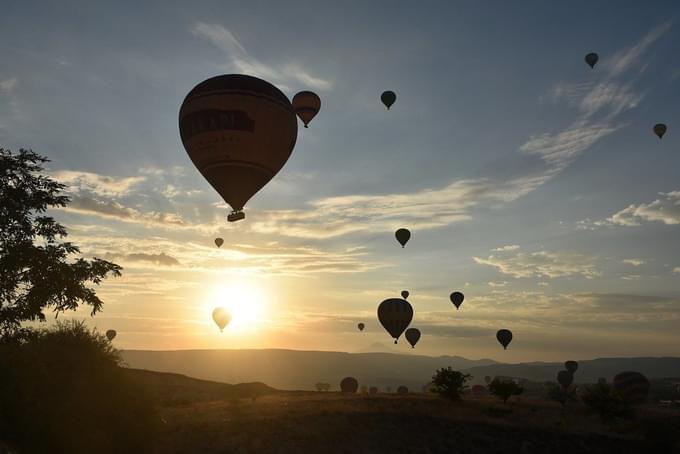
542,264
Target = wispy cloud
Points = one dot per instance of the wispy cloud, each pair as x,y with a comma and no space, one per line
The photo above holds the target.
634,262
665,209
542,264
243,62
509,247
630,58
8,85
104,185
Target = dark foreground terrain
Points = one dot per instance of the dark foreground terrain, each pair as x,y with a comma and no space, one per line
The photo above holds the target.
206,417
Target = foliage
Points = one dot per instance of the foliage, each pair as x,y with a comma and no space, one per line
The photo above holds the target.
62,390
556,392
602,399
504,389
37,269
449,383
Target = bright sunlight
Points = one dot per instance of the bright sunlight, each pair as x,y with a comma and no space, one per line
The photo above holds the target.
245,302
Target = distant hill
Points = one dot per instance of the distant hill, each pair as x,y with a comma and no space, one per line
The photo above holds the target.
169,388
292,369
588,370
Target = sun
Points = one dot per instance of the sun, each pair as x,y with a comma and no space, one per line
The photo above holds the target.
244,301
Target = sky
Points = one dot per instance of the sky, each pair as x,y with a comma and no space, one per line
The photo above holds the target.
530,182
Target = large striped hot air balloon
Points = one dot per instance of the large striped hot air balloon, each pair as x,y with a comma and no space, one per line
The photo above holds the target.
239,131
349,385
633,386
395,314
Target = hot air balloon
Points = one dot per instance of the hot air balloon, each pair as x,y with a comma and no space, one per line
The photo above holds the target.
592,59
478,391
402,389
660,129
565,378
633,386
457,299
219,242
504,336
111,334
388,98
349,385
221,316
571,366
395,315
402,235
487,379
361,326
306,105
412,336
405,294
239,131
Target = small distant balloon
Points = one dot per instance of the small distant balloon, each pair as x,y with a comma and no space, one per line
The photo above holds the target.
349,385
395,314
660,129
571,366
457,299
402,235
592,59
361,326
632,386
405,294
504,336
219,242
565,378
221,316
402,389
306,105
412,336
388,98
111,334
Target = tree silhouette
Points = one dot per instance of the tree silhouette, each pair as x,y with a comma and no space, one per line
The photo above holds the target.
504,389
450,383
37,269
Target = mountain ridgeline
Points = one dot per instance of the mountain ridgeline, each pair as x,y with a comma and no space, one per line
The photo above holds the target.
293,369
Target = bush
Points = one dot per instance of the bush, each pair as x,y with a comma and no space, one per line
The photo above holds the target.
62,390
504,389
559,394
603,399
449,383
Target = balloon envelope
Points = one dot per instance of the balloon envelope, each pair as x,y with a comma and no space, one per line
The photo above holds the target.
457,299
565,378
219,242
239,131
221,316
660,129
633,386
306,105
361,326
388,98
349,385
402,235
395,315
592,59
571,366
405,294
111,334
412,336
504,336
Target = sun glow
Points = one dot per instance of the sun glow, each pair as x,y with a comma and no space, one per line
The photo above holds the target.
244,301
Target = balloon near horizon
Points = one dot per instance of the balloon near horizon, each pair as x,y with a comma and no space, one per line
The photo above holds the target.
245,303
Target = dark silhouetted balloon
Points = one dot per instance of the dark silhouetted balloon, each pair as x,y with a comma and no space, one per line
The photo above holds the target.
457,299
306,105
221,316
219,242
361,326
395,314
565,378
388,98
349,385
405,294
412,336
487,379
632,386
402,389
592,59
373,390
571,366
660,129
111,334
239,131
504,336
402,235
